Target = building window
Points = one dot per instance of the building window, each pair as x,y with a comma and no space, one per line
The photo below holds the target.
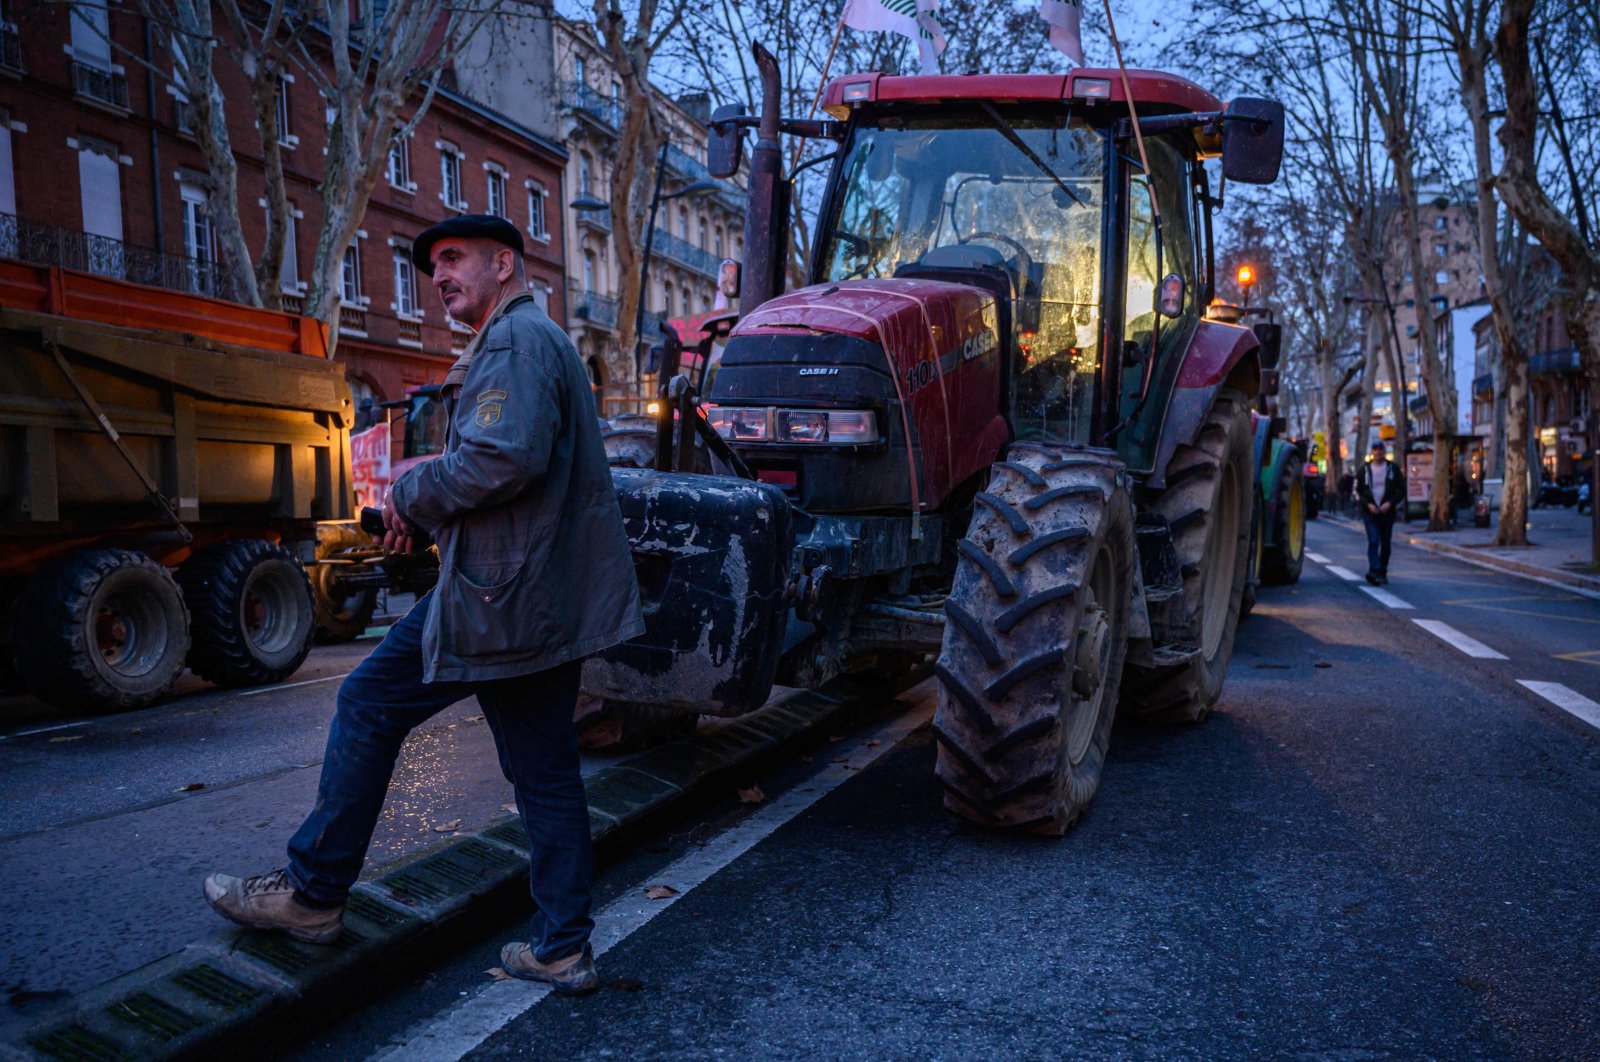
199,242
350,274
91,34
1441,277
1441,304
289,268
580,71
1441,249
100,191
497,194
718,246
1441,222
400,163
705,235
536,225
588,271
450,177
685,301
683,224
585,174
405,283
284,137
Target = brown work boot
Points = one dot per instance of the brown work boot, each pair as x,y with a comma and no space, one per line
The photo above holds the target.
571,976
268,902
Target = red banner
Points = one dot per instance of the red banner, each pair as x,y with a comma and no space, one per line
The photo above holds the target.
369,465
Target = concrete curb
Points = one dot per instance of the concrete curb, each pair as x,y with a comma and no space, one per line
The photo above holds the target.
1584,583
242,992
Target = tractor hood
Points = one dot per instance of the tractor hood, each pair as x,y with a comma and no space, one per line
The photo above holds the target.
912,320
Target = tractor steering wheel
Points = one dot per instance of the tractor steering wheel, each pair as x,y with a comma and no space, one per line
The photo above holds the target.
1023,258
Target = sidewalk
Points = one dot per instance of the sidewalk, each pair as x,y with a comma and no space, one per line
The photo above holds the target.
1559,549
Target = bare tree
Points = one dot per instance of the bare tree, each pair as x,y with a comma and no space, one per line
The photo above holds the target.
380,55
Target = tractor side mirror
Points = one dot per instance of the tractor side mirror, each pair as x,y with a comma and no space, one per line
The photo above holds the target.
725,145
1252,140
1270,336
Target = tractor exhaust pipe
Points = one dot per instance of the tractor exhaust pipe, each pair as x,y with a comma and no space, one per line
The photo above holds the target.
766,221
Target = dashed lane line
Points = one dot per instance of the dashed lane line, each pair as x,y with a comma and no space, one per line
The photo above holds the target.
1568,700
1467,644
1318,558
454,1032
1385,598
1344,573
45,729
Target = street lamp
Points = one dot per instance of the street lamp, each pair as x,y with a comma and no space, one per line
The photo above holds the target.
698,188
1247,280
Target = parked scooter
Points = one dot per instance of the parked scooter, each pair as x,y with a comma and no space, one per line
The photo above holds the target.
1553,493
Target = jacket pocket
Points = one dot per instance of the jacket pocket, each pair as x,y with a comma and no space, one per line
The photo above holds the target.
493,546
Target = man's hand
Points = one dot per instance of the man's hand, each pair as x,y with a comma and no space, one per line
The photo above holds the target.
1373,509
1385,507
397,534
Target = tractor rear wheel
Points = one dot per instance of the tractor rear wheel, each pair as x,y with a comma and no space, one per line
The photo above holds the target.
1035,635
1208,503
1282,561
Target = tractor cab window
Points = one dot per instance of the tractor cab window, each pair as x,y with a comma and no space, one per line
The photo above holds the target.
1022,201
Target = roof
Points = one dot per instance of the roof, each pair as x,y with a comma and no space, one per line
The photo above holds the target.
1152,89
513,127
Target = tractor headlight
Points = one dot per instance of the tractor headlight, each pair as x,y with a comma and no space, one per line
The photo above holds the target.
840,427
739,425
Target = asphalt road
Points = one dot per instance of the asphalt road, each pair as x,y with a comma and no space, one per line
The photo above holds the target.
1382,844
1379,846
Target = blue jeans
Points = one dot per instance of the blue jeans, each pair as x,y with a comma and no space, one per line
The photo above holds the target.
379,703
1380,529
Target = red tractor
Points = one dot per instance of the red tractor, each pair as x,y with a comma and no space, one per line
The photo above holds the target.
996,427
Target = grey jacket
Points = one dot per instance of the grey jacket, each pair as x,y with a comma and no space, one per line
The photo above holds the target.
535,568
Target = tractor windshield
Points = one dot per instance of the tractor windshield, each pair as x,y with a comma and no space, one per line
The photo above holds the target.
1021,195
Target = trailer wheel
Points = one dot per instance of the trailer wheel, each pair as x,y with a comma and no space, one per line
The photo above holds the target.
253,612
1207,503
1034,641
341,615
105,631
1281,563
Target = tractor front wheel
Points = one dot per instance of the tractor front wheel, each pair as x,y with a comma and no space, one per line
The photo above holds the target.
1035,635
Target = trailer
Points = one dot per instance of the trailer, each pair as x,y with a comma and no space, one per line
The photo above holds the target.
165,459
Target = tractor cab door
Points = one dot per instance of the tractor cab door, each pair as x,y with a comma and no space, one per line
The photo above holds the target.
1161,293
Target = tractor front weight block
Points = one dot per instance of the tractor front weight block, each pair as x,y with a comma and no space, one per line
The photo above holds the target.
712,554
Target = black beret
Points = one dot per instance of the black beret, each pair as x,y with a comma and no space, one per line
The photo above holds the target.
467,227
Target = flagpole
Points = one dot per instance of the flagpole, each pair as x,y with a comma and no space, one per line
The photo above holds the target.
822,83
1138,135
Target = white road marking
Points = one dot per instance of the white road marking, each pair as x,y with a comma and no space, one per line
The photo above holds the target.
1384,597
45,729
1344,573
1467,644
454,1032
1317,557
1568,700
290,685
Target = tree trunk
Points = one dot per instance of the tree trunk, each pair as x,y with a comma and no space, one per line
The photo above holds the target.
1513,530
269,266
211,129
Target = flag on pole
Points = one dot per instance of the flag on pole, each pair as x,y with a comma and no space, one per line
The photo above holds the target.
909,18
1063,18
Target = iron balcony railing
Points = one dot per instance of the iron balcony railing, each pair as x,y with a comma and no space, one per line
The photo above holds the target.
1483,387
596,309
1556,361
98,84
581,97
686,164
30,241
10,48
684,253
595,219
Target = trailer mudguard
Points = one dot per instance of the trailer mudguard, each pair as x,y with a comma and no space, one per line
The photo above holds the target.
712,557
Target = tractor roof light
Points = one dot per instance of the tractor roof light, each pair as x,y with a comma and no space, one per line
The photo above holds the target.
1091,88
858,92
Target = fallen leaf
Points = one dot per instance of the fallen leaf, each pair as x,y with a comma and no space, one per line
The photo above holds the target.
191,787
660,892
753,795
873,742
1323,663
509,807
473,719
59,740
498,973
840,759
448,827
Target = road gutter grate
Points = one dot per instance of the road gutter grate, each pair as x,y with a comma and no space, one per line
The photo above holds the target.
146,1012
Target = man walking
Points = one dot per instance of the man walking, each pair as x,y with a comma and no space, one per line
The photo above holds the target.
1381,490
535,573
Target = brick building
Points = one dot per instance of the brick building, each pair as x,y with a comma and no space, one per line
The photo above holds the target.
99,172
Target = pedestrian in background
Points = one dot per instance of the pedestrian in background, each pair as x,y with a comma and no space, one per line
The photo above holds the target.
1380,490
535,573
